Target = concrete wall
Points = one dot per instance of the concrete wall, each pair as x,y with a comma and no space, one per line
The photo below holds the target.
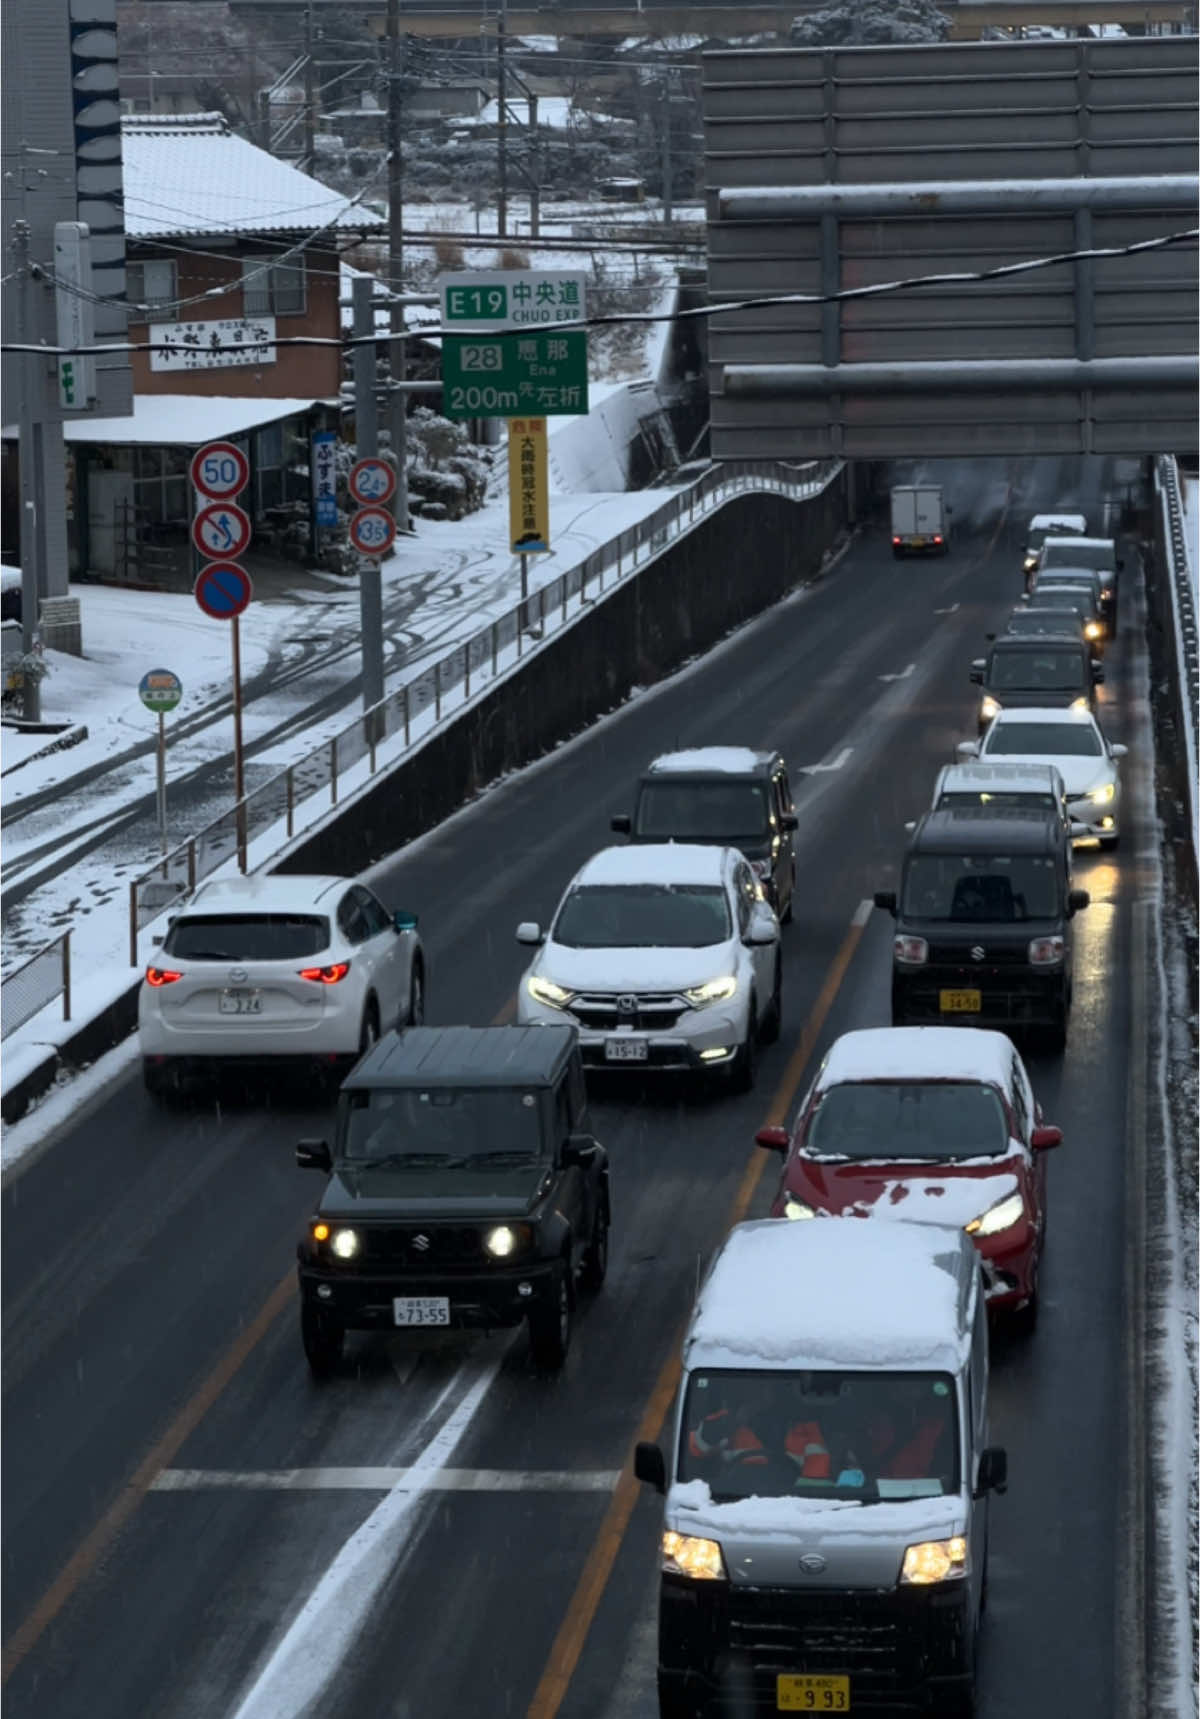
678,606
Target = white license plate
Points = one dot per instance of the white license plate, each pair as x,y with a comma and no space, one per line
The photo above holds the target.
240,1003
421,1309
625,1050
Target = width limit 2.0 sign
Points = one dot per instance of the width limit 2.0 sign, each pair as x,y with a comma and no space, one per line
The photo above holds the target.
515,375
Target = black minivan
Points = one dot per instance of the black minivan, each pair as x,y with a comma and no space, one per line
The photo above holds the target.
727,796
983,922
1051,672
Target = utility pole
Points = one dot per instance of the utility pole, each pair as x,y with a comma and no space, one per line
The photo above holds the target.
398,349
535,188
32,485
502,129
667,188
366,435
309,90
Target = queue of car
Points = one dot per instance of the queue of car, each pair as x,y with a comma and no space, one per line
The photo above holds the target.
825,1534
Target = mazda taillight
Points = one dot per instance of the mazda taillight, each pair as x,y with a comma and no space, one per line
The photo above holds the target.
161,976
330,975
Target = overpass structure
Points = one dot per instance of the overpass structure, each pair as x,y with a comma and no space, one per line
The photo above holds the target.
1043,193
968,18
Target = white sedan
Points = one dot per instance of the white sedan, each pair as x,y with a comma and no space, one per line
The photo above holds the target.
1074,742
665,957
257,969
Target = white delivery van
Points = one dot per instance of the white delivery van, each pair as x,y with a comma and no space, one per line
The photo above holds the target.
825,1528
920,520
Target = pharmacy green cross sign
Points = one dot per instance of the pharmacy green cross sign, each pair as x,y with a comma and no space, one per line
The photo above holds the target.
517,373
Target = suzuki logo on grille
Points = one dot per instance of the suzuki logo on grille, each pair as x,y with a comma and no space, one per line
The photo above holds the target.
977,952
420,1244
237,974
812,1563
627,1005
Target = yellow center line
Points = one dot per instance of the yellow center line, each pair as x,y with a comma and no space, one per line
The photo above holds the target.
88,1553
585,1601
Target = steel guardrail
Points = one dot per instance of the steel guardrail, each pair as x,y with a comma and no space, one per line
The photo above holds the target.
1181,585
35,984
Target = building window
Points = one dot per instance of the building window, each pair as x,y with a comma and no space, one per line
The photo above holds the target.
272,288
154,285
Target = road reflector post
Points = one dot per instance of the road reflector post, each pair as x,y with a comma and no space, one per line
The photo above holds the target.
66,975
333,771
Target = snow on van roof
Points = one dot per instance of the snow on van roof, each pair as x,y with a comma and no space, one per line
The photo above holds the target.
656,862
1076,523
919,1053
1078,541
733,760
836,1292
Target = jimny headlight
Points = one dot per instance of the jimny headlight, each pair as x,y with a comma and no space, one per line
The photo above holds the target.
1002,1216
686,1555
547,992
715,991
989,707
345,1243
934,1561
505,1240
1103,795
1079,704
1092,630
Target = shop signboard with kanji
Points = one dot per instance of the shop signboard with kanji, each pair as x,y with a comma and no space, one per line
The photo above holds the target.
515,375
324,477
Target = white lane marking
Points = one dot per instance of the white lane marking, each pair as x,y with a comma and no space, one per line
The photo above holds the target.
830,764
385,1479
903,675
862,913
323,1631
950,611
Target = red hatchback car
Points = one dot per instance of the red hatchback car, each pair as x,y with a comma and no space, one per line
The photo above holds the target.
929,1124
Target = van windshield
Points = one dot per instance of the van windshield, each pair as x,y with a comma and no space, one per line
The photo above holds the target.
975,889
1037,670
868,1436
909,1120
718,811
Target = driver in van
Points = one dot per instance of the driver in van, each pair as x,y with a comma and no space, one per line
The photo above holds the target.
755,1434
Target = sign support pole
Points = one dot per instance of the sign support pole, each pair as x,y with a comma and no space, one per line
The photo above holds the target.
366,431
524,579
239,774
162,781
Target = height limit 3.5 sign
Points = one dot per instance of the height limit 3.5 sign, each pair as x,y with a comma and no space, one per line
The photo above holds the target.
528,486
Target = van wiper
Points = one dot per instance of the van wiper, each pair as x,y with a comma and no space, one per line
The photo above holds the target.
502,1158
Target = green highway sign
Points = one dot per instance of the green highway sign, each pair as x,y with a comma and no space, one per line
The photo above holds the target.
540,374
511,298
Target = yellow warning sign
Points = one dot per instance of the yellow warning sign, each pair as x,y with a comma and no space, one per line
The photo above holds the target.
528,486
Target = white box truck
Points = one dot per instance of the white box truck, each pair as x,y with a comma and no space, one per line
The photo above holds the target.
920,520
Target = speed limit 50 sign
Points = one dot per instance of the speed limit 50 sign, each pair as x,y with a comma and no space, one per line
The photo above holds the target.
220,471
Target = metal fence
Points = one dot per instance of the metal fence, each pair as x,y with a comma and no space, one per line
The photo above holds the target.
1181,581
450,682
35,984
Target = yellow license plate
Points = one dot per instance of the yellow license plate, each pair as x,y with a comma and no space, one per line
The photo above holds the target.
918,542
797,1693
960,1002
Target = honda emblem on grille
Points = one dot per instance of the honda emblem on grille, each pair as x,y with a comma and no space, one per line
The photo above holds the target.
237,974
420,1244
627,1005
812,1563
977,952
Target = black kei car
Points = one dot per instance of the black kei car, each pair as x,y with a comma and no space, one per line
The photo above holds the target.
722,796
463,1191
983,922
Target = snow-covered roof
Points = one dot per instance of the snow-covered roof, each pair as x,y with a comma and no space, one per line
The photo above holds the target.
656,862
734,760
1076,523
919,1053
188,174
839,1292
1076,540
184,420
267,893
1044,713
1015,775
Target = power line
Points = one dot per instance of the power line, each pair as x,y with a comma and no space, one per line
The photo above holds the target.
634,318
